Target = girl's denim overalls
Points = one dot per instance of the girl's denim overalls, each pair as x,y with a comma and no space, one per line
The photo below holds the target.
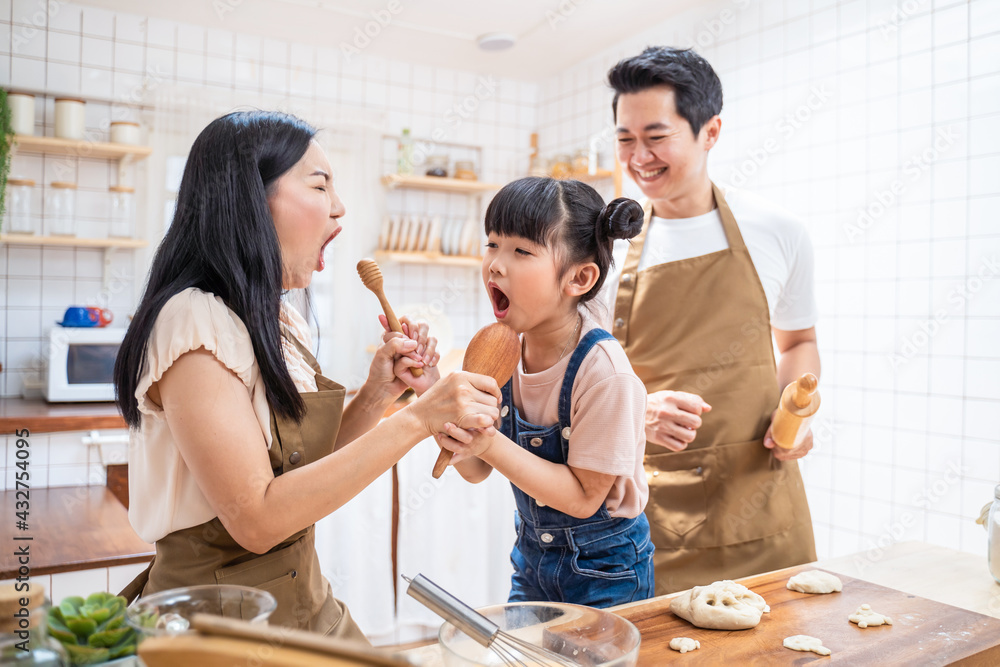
600,561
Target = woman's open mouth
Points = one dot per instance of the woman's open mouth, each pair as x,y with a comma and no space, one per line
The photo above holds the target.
322,261
501,302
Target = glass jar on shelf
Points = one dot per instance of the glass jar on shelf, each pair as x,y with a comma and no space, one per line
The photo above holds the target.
561,167
581,162
465,170
122,212
437,165
24,631
60,208
19,204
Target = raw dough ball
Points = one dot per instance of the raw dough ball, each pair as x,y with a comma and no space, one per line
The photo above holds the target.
723,605
864,617
684,644
806,643
814,581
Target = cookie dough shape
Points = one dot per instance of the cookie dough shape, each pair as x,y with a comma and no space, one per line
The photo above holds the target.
815,581
806,643
866,616
722,605
684,644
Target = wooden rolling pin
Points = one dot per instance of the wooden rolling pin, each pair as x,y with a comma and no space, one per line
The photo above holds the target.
799,403
493,351
371,276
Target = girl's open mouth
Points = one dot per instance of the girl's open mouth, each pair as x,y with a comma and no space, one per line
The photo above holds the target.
501,303
322,260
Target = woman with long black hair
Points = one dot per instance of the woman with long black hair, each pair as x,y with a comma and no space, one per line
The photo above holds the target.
239,443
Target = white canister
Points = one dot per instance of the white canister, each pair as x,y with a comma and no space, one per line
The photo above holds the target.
22,112
19,205
69,118
122,211
124,132
60,207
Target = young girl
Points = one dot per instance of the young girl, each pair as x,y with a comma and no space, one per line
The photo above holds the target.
571,436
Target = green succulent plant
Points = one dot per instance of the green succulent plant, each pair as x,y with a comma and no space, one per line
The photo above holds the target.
92,630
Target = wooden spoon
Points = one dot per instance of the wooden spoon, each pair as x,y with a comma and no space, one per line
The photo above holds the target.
493,351
371,276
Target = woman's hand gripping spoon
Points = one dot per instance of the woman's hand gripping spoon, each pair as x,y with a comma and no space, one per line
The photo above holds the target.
493,351
371,276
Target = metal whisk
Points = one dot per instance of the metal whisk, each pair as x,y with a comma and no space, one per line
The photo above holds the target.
512,650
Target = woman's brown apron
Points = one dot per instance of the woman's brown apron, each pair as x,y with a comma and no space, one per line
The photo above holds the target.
722,508
208,554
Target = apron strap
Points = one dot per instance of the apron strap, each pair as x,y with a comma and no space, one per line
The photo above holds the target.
134,588
733,235
593,337
306,354
629,276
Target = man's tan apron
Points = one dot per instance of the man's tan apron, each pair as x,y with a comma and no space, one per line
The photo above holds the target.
207,554
724,507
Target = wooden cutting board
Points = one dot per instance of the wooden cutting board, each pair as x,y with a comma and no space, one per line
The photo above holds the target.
923,632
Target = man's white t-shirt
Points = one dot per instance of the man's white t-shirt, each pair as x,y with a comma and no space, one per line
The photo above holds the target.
778,243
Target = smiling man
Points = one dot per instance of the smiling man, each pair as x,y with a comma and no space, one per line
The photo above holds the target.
695,302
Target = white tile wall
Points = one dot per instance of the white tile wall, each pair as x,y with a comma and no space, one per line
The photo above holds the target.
912,451
104,55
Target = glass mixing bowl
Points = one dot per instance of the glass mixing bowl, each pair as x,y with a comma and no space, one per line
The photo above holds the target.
590,637
169,612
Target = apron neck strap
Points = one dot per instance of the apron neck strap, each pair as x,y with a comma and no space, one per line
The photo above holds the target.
306,354
733,235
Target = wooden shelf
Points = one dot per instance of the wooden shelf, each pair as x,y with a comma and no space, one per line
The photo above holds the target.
72,241
437,184
428,258
39,416
599,175
93,149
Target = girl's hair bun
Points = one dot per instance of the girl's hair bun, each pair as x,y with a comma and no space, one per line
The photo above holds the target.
620,219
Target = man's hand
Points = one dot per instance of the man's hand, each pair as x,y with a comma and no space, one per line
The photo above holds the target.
792,454
673,418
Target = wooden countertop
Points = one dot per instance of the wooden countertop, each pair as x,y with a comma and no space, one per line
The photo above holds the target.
72,528
936,573
38,416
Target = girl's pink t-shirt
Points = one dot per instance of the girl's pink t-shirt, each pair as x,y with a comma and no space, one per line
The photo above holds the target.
607,418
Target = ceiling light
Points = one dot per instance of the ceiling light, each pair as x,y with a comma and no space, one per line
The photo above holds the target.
496,41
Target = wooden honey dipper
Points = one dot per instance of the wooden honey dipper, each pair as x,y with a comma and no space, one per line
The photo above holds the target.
495,351
799,403
371,276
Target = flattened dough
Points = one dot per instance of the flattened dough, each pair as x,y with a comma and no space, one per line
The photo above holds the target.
806,643
814,581
684,644
866,616
722,605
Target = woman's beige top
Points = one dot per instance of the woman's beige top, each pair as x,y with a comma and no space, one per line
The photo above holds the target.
170,499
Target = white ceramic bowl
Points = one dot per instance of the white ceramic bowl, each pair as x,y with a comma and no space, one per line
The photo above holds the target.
591,637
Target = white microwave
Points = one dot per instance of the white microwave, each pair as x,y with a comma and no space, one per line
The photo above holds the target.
80,364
